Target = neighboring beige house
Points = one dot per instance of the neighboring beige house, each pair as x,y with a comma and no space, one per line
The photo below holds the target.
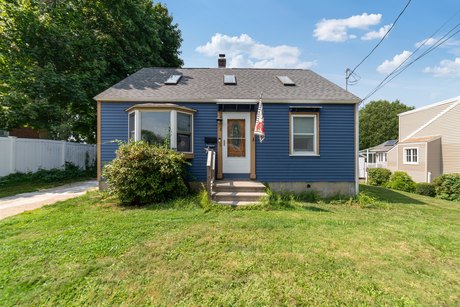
429,141
377,156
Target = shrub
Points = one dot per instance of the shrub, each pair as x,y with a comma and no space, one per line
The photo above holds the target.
143,174
69,171
426,189
378,176
401,181
447,186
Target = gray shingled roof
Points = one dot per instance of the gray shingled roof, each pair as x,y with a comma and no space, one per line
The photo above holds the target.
385,146
206,85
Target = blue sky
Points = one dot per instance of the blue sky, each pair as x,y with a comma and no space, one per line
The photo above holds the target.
328,36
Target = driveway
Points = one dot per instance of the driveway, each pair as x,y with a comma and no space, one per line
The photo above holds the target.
16,204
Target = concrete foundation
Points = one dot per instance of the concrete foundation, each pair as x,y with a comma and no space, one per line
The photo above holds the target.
324,189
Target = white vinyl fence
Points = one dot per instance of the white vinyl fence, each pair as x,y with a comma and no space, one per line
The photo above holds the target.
30,155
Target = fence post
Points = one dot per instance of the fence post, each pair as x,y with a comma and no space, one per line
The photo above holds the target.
63,148
12,154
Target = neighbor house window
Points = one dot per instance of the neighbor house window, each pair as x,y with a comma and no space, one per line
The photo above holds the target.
304,134
162,124
411,155
382,157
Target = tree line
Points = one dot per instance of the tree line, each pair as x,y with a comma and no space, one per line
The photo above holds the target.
55,55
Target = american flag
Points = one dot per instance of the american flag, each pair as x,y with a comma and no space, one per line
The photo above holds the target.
259,129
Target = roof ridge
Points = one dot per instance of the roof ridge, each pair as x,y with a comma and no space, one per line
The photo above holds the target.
235,68
432,120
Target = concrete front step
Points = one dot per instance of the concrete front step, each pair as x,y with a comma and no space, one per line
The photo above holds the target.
239,196
238,186
237,203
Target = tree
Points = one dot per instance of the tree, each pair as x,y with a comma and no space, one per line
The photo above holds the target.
55,55
378,122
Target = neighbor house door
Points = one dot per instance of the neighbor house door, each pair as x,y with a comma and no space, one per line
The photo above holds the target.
236,143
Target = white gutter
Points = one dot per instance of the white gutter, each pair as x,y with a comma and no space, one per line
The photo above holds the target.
225,101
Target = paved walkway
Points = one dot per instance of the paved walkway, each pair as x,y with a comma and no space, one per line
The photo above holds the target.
16,204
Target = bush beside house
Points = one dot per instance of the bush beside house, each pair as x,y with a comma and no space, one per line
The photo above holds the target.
378,176
448,186
426,189
144,174
401,181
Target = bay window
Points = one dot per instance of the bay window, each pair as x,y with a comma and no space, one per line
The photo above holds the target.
162,124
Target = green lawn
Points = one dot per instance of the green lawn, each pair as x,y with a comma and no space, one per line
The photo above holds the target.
90,251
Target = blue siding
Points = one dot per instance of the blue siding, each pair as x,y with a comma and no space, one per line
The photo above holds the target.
273,163
205,125
114,126
336,160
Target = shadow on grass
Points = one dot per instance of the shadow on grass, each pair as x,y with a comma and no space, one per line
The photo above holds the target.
315,209
389,196
188,202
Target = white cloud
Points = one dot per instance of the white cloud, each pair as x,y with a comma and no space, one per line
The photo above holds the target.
427,42
376,34
243,51
431,41
389,65
446,68
335,30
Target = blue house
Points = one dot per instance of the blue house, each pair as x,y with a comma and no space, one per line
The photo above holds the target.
310,124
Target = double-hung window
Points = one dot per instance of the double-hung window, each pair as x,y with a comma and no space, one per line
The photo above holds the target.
162,124
303,134
411,155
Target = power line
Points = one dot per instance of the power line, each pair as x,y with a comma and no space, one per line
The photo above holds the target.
381,40
398,70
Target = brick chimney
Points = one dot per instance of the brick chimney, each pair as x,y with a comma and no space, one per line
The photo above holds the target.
222,61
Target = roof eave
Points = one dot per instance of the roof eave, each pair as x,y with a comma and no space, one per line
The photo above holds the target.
223,101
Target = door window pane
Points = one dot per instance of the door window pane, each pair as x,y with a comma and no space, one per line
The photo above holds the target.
236,138
155,127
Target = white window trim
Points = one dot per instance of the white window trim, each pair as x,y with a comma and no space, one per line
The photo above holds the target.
405,155
192,135
315,136
173,126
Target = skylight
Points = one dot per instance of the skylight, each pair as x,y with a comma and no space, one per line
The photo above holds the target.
286,80
173,79
229,79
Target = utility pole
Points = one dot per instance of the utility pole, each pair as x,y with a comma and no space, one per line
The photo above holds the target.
347,76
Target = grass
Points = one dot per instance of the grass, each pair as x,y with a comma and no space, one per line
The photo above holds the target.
89,250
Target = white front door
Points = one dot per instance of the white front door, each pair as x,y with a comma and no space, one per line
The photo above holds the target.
236,143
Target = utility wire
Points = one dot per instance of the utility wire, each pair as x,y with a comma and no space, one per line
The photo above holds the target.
398,70
381,40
